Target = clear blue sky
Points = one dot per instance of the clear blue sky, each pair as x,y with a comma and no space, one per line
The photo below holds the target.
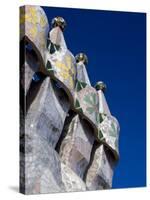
115,43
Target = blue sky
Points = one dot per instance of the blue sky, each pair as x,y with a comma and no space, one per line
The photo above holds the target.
115,43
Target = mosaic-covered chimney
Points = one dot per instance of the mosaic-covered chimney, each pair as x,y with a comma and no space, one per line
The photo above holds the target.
68,137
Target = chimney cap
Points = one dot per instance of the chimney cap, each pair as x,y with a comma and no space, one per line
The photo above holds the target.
82,57
59,21
100,86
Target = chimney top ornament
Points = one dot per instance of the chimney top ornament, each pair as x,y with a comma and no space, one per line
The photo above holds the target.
81,57
100,86
59,22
